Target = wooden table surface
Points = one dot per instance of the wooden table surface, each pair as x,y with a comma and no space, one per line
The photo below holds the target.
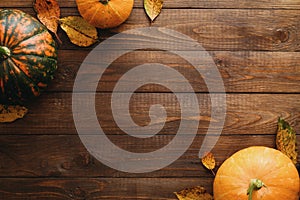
256,47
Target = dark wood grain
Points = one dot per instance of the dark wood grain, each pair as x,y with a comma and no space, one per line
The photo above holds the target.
240,71
255,46
246,113
271,4
216,29
65,156
98,188
225,29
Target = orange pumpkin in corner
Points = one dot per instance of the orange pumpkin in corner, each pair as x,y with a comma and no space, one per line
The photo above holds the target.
257,173
105,13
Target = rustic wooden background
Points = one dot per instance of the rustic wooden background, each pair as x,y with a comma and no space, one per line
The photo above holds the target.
255,45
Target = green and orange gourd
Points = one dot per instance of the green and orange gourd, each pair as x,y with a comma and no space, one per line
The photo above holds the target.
28,57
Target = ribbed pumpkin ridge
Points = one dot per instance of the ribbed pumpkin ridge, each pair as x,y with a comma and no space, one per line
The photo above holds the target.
32,58
275,171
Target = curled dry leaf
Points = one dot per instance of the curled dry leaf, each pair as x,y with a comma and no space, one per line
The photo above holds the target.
153,8
11,113
196,193
208,160
48,12
79,31
286,140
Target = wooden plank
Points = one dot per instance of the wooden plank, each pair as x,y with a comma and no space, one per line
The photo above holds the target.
221,29
65,156
271,4
98,188
246,113
226,29
42,157
240,71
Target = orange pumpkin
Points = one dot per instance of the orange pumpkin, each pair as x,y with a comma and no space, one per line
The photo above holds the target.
105,13
257,173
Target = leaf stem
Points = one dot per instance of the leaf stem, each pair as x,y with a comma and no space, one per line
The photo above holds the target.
104,1
255,184
213,173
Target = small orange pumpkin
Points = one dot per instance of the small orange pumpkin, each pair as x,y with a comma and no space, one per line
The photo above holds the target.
257,173
105,13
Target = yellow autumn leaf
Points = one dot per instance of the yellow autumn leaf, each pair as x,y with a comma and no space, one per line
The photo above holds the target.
196,193
208,160
79,31
11,113
286,140
153,8
48,12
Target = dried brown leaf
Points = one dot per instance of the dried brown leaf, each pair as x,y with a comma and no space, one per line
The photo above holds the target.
153,8
48,12
196,193
208,160
11,113
286,140
79,31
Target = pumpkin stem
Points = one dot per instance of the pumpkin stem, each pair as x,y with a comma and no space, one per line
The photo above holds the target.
255,184
104,1
4,52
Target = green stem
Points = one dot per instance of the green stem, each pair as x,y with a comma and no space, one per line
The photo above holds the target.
255,184
4,52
